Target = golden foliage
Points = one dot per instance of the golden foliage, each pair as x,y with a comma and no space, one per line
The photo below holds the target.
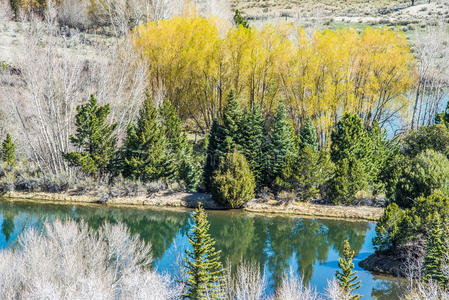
321,76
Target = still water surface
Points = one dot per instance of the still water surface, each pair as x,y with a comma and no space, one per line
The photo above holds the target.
308,247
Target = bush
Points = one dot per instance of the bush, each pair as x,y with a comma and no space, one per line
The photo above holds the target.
427,172
434,137
70,261
398,227
233,182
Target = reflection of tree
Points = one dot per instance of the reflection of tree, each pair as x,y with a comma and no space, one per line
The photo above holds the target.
339,231
274,242
239,238
389,289
8,224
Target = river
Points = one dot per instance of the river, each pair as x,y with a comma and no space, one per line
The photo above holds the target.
309,247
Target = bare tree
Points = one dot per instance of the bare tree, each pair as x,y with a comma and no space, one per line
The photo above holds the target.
70,261
433,77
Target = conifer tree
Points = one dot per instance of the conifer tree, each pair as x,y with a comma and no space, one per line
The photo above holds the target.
252,128
8,151
240,20
233,182
231,124
281,144
177,139
308,135
347,278
94,138
213,153
203,266
436,250
147,154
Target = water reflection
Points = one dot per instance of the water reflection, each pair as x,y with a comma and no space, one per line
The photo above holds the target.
310,247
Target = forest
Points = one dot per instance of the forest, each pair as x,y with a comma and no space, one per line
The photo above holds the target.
200,100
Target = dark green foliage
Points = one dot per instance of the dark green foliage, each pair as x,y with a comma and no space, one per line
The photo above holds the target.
147,153
443,117
349,178
351,151
177,139
190,173
420,176
94,139
280,146
233,182
213,154
436,251
306,173
434,137
389,229
252,138
308,135
8,153
398,227
15,5
203,266
231,125
347,278
240,20
380,155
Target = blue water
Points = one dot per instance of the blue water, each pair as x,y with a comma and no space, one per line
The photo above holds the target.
308,247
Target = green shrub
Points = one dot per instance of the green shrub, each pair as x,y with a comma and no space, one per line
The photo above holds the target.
306,173
9,151
388,229
397,226
233,182
427,172
434,137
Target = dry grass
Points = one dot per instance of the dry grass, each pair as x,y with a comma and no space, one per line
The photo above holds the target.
317,210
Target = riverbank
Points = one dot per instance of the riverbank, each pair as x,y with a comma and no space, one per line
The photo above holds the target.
190,200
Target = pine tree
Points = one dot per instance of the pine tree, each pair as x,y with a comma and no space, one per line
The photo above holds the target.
8,151
252,129
347,278
308,135
231,124
281,144
233,182
203,266
177,139
240,20
213,153
147,155
436,250
94,138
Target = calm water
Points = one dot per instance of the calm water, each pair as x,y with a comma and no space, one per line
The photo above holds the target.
310,247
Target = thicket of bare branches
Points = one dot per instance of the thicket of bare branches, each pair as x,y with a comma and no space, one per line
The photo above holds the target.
60,74
70,261
433,76
5,10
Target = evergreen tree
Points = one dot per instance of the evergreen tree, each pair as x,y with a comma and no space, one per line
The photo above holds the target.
351,151
213,153
252,129
203,266
443,117
347,278
436,250
177,139
9,151
231,125
190,173
240,20
233,182
308,135
94,138
147,154
281,144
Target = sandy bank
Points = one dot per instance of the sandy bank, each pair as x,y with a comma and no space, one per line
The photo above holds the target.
191,200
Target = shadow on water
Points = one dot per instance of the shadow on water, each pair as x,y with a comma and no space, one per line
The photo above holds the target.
308,247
